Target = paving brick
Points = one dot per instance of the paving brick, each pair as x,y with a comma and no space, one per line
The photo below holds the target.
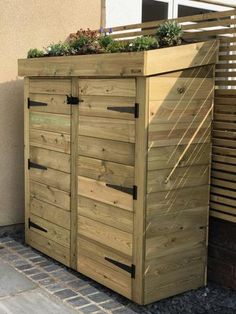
99,297
89,290
24,266
39,276
55,287
77,284
111,305
32,271
78,301
47,281
89,309
65,294
51,268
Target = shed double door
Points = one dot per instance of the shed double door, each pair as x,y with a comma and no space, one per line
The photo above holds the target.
80,178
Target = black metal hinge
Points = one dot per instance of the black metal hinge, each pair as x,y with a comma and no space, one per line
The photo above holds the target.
33,103
133,110
36,166
71,100
35,226
131,191
129,269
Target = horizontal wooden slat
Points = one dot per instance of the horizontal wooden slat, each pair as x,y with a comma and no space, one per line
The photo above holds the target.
105,275
106,171
50,159
223,216
55,103
98,190
50,122
224,151
165,202
107,214
50,195
57,179
54,232
109,236
223,200
107,87
49,247
222,191
217,173
101,106
50,86
190,219
112,129
50,213
223,208
224,167
179,155
104,149
50,140
165,179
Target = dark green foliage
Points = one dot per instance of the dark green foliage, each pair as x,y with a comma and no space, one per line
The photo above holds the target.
105,40
143,43
169,34
59,49
35,53
116,46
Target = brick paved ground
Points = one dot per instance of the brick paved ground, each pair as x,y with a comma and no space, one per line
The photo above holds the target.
87,296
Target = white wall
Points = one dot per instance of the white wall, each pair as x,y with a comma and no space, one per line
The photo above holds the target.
122,12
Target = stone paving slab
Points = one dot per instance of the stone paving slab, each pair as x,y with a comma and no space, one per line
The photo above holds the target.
86,296
34,301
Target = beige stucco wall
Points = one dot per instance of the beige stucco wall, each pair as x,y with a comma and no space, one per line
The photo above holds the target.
27,24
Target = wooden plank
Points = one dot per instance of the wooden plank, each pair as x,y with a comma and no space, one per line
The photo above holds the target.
98,253
178,155
50,122
219,125
166,111
181,57
26,157
58,252
166,180
50,195
112,129
74,177
173,201
50,213
223,200
107,87
223,208
179,133
224,167
223,175
174,242
50,140
105,275
119,64
50,159
50,86
104,149
101,106
107,214
222,191
57,179
231,117
111,237
140,180
181,90
54,232
106,171
98,190
223,216
190,219
185,279
55,103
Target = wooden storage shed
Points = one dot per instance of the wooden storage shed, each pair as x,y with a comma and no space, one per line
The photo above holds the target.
117,158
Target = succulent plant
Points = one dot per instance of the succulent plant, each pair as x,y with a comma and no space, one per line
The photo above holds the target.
143,43
169,34
105,40
35,53
116,46
58,49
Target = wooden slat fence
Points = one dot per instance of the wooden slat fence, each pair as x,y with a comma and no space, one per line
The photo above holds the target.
220,25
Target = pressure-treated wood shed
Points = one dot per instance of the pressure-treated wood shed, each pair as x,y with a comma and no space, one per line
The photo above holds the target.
117,157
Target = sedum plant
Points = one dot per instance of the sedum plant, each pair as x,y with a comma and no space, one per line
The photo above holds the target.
105,41
84,42
116,46
35,53
169,34
59,49
143,43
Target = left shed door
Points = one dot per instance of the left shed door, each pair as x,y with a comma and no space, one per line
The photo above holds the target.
47,166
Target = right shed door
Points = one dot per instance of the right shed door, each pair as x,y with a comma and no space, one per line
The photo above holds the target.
105,169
